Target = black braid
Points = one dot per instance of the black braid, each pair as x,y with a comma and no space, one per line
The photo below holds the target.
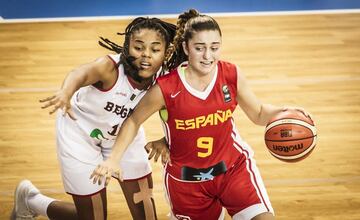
104,42
167,30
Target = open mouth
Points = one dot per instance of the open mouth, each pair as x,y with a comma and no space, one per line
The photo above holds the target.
206,63
145,65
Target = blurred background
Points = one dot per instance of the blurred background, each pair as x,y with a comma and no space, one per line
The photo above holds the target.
297,53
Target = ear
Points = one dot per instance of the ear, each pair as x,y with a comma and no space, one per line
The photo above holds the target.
185,48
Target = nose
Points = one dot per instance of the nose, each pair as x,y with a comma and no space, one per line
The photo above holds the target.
206,54
146,53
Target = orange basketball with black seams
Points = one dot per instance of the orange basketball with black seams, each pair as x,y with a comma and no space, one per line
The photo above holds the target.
290,136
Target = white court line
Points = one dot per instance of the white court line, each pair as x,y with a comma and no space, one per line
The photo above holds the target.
269,182
304,81
16,90
311,181
294,81
225,14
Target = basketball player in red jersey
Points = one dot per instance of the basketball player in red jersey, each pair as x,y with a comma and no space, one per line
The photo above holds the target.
211,166
96,98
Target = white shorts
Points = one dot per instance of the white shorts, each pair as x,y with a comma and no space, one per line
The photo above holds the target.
79,154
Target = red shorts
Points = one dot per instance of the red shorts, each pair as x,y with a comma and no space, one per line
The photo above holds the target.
240,190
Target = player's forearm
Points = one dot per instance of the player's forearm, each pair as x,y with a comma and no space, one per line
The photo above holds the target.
126,135
267,111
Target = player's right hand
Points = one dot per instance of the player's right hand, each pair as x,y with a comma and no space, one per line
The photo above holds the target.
58,101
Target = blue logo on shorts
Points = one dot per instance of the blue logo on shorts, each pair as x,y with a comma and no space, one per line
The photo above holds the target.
205,176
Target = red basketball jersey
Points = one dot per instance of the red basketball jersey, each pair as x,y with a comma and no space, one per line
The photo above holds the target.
200,129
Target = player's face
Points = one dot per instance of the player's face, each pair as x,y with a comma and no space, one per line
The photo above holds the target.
148,47
203,51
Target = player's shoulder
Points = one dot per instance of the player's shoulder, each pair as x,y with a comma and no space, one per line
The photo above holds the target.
115,58
105,64
170,75
227,70
226,65
109,63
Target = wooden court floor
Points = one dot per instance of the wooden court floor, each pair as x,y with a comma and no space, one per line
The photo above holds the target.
311,61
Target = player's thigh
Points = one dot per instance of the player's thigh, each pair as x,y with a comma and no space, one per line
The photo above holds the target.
78,156
244,194
191,200
134,164
139,197
91,207
133,186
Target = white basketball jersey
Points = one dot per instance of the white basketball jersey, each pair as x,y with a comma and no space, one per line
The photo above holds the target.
100,113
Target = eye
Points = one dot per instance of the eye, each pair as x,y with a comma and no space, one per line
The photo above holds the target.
199,48
155,50
214,49
138,48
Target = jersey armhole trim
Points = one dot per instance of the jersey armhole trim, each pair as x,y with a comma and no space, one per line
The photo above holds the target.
117,76
162,92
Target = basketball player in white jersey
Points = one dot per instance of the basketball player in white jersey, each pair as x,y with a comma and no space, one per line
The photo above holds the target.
95,99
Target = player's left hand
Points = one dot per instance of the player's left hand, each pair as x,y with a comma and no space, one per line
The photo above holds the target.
105,170
158,148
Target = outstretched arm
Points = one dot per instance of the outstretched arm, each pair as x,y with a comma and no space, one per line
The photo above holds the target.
152,102
102,70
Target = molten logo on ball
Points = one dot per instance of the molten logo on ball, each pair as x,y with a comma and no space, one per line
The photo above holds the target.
288,148
290,136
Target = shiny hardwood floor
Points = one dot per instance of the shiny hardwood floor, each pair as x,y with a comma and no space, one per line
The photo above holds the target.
311,61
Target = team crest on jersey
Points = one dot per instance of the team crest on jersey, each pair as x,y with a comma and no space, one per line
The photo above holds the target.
226,92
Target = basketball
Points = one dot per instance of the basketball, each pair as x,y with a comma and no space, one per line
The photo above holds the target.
290,136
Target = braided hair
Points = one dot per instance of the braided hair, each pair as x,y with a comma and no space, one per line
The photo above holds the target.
188,23
167,31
